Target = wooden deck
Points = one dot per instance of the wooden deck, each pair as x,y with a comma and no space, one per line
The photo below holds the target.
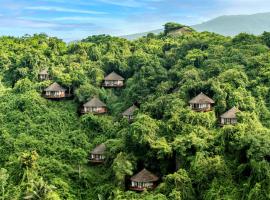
97,161
95,113
56,97
140,189
226,124
202,109
113,86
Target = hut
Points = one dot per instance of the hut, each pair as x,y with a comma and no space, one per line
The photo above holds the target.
97,154
129,113
55,91
113,80
95,106
43,75
143,180
201,103
229,117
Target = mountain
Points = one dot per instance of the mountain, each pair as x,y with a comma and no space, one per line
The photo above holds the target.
138,35
228,25
231,25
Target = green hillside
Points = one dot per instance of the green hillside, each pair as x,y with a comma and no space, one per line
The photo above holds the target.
235,24
45,144
229,25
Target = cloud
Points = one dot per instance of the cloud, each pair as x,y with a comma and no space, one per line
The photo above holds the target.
76,18
125,3
92,25
7,22
236,7
71,2
61,9
116,17
130,3
121,3
55,1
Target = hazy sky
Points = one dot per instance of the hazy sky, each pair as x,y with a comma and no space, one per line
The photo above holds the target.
76,19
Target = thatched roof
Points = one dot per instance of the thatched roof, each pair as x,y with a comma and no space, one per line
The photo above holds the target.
201,98
95,102
100,149
130,111
144,176
113,77
230,113
55,87
43,72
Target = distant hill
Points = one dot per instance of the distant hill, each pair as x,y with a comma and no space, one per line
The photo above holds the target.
234,24
228,25
138,35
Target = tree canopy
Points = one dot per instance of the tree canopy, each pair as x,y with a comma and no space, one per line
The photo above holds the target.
45,144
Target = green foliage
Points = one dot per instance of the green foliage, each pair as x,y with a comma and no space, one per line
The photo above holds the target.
244,38
178,186
266,38
23,85
45,144
122,167
28,160
3,181
196,57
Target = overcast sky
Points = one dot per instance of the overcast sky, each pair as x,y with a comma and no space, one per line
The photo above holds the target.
76,19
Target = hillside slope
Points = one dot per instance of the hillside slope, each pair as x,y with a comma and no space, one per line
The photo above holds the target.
45,144
235,24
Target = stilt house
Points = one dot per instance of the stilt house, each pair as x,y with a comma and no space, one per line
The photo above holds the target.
43,75
129,113
55,91
201,103
143,180
95,106
113,80
229,117
97,155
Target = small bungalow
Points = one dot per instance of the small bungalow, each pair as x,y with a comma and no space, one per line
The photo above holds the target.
43,75
201,103
94,106
97,155
129,113
113,80
55,91
229,117
143,180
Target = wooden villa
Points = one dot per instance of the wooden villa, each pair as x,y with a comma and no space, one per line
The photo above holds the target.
113,80
43,75
201,103
97,155
95,106
229,117
55,91
143,180
129,113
